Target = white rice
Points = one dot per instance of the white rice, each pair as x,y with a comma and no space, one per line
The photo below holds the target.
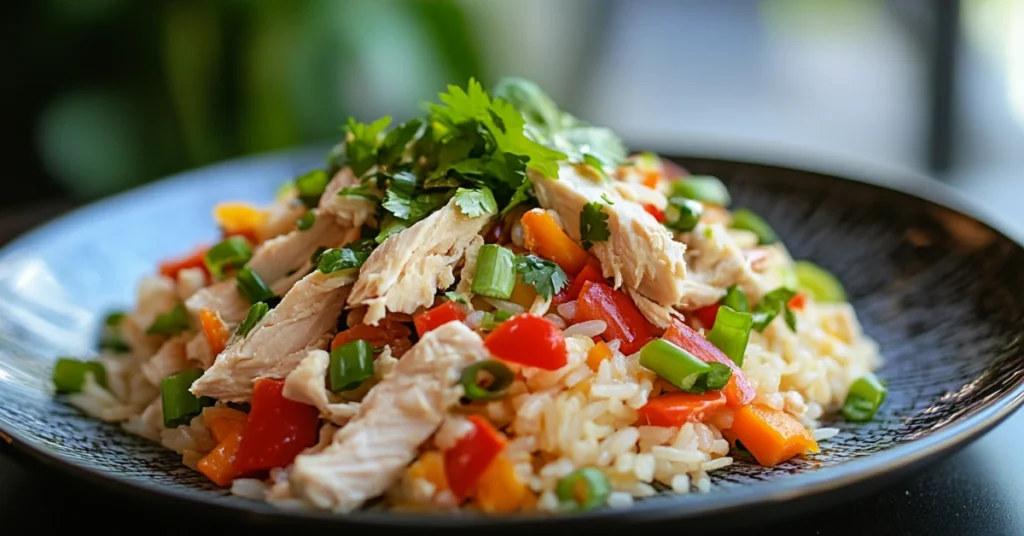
507,306
567,310
590,328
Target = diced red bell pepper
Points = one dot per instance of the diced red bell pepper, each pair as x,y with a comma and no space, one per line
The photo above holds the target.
739,391
529,340
655,211
599,301
676,409
707,315
196,259
590,272
798,301
469,458
438,316
386,332
277,429
564,295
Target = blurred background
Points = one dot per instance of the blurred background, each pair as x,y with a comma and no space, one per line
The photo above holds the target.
103,95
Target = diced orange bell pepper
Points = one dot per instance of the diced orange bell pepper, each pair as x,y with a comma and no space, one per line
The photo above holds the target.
223,422
499,490
196,259
771,436
543,237
430,467
798,301
219,464
215,330
523,294
238,218
597,354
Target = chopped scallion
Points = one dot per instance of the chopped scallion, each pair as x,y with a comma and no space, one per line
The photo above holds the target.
583,489
736,299
716,378
170,323
311,186
748,221
69,374
180,406
818,282
495,275
731,333
493,320
497,376
702,188
682,214
673,364
252,287
110,336
306,222
351,365
227,256
771,305
256,313
865,396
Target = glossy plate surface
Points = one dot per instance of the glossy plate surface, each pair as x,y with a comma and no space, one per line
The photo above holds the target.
942,293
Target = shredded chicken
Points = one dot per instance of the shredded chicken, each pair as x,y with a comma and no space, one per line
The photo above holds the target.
306,384
716,261
404,273
169,359
369,453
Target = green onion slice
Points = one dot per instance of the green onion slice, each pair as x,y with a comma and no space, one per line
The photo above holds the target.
497,379
748,221
493,320
69,374
704,188
771,305
865,396
351,365
110,335
228,256
731,333
179,404
818,282
583,489
256,313
170,323
495,275
675,365
252,287
716,378
736,299
682,214
311,186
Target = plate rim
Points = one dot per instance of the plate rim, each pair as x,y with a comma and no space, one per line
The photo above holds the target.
863,471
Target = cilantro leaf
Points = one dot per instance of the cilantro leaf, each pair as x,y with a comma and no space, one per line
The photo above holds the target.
397,203
521,195
393,146
351,256
424,205
361,143
593,224
773,303
404,182
390,226
358,191
545,276
476,203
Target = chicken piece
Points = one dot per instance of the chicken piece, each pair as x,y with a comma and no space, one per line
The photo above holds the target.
715,260
198,351
307,384
465,286
404,273
305,320
640,253
659,315
169,359
351,211
370,453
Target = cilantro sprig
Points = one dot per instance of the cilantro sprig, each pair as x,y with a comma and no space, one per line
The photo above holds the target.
545,276
593,224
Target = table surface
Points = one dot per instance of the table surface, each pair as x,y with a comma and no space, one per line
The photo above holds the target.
979,490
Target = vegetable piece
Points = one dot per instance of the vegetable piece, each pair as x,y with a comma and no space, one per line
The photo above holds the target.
682,215
236,218
178,403
771,305
748,221
385,333
351,365
350,257
438,316
523,294
865,396
110,335
731,332
739,390
676,409
227,256
673,364
495,274
820,283
593,224
597,354
306,222
467,460
543,237
583,489
311,186
590,272
491,321
476,202
256,313
707,315
224,422
214,329
497,378
655,211
500,491
545,276
430,467
529,340
598,301
69,374
771,436
736,299
798,302
703,188
251,286
196,259
219,464
277,429
170,323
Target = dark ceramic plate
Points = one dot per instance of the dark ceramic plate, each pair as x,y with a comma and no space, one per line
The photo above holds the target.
941,292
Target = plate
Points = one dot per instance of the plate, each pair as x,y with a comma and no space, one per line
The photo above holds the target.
937,285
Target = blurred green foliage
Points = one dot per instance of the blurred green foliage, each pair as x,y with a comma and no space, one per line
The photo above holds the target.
143,89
